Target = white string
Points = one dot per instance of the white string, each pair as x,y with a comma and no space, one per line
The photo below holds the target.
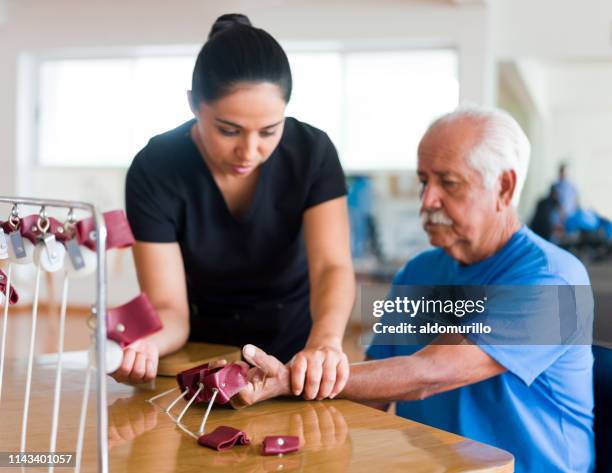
173,403
187,431
189,403
79,447
161,395
5,324
205,418
58,372
26,402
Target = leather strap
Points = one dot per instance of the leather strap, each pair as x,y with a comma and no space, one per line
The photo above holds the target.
227,380
13,296
224,438
132,321
277,444
29,228
118,231
191,378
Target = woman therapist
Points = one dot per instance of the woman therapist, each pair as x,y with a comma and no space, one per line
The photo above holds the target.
241,221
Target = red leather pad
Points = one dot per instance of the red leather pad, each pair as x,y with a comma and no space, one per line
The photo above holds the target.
190,379
277,444
13,296
228,380
223,438
29,228
138,319
119,233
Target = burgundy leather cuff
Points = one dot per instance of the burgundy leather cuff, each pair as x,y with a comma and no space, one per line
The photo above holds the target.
13,296
277,444
223,438
132,321
118,231
228,380
30,229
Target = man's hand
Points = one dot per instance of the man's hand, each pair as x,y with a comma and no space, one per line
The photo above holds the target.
319,371
139,363
267,378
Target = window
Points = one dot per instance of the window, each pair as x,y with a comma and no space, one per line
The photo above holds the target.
374,105
101,112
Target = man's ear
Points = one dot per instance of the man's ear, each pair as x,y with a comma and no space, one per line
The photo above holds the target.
192,106
507,188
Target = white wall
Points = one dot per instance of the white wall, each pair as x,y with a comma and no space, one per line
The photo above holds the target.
552,29
36,27
562,51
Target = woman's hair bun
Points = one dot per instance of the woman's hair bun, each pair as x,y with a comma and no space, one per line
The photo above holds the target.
227,21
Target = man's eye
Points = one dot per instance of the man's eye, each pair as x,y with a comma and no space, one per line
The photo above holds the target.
265,134
449,183
226,132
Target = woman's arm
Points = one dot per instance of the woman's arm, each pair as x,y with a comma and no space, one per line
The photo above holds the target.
162,277
321,369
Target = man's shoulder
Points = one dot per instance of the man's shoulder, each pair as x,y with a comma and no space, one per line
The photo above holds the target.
535,260
419,267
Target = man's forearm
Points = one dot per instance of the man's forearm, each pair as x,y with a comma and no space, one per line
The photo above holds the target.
400,378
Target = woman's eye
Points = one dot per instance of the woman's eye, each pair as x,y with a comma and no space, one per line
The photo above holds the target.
265,134
226,132
449,183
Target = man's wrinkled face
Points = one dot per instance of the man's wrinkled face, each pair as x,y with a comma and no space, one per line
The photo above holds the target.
456,207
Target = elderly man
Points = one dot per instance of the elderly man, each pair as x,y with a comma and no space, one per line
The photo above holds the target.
534,401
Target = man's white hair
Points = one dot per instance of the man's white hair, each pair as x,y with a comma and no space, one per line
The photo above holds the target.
503,145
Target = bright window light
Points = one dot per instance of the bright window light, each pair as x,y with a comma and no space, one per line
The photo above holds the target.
101,112
374,105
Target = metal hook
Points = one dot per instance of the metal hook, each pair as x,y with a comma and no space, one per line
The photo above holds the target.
43,220
69,224
14,220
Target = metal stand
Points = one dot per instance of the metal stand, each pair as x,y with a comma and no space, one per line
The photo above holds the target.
100,312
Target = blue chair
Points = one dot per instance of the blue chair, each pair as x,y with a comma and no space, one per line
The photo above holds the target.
602,378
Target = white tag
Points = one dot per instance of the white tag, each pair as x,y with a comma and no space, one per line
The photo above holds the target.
20,249
18,245
4,253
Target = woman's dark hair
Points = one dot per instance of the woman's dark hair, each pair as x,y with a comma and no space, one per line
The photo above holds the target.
238,52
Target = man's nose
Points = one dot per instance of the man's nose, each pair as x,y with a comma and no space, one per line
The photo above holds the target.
430,198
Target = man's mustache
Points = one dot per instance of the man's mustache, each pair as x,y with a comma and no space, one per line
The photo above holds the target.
437,217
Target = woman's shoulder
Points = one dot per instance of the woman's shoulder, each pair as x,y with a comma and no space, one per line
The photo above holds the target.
297,128
164,150
305,139
174,140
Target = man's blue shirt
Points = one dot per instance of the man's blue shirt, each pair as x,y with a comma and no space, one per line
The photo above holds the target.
541,408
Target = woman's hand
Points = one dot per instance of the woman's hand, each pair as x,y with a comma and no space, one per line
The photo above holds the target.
319,371
139,363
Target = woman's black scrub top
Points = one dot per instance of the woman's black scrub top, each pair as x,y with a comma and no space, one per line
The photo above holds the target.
247,277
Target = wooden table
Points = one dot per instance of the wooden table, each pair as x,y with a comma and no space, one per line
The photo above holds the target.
337,435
